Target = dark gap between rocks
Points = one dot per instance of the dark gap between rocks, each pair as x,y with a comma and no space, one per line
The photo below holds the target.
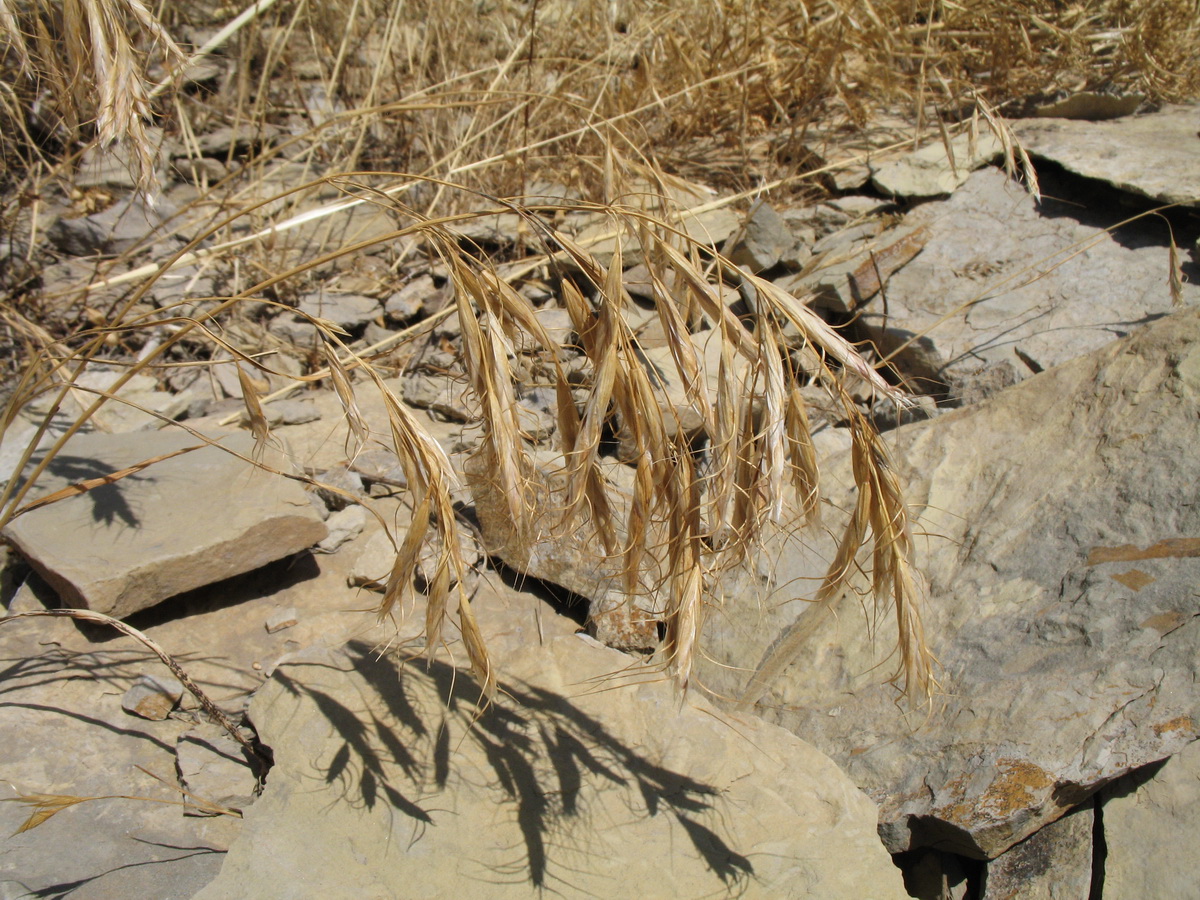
1099,852
259,584
1098,204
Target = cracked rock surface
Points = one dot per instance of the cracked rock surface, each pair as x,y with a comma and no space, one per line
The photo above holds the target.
1062,576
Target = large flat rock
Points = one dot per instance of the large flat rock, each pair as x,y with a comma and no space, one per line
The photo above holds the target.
385,781
180,524
1004,282
1061,540
1150,824
1156,155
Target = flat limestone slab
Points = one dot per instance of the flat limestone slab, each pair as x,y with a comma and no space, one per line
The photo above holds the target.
1150,823
180,524
1060,536
386,784
1032,287
1156,155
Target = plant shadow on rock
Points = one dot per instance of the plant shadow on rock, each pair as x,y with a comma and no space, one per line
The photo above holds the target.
545,756
109,503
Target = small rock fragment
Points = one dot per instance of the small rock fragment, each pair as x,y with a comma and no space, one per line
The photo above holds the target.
335,483
281,619
292,412
374,562
442,395
212,767
110,231
152,696
344,525
765,241
930,171
408,302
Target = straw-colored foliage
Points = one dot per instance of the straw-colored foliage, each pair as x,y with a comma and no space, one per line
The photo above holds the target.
461,110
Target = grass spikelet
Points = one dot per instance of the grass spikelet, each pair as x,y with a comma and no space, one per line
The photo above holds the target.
438,597
879,510
686,583
723,448
806,477
481,663
404,567
339,377
486,353
1175,276
259,427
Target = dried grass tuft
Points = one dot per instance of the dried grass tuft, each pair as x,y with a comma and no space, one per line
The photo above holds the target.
615,103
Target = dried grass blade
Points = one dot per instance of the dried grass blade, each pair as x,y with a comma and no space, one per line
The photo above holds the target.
820,334
1175,278
254,412
404,567
806,477
438,596
339,376
481,663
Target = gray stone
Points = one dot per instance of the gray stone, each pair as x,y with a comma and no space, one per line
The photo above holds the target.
380,467
123,414
344,525
179,524
374,562
373,565
764,241
203,170
281,619
345,226
1156,155
852,273
1030,288
126,222
65,732
1150,822
1054,863
449,398
930,172
336,483
1061,552
295,330
408,302
363,274
180,285
152,696
237,140
347,310
502,228
295,411
212,767
395,775
859,206
709,228
557,323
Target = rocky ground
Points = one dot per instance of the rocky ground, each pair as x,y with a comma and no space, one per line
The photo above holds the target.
1050,463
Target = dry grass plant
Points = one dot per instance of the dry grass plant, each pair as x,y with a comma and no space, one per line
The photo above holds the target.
697,508
451,109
